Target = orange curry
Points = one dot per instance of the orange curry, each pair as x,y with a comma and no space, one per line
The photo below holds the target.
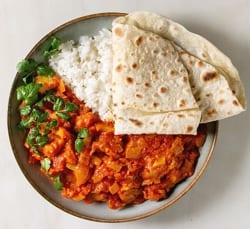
118,169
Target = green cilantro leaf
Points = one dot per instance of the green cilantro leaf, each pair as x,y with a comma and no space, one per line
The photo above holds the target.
53,48
79,145
25,110
42,140
63,115
38,115
45,164
44,70
28,93
83,133
52,123
58,105
58,183
26,66
70,107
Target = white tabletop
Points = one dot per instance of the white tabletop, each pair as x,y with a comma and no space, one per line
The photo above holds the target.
221,197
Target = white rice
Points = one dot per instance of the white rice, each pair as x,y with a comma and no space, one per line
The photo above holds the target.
85,66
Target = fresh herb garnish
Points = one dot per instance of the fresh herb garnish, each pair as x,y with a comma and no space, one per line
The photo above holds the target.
53,48
42,140
38,115
63,115
35,138
28,93
44,70
27,69
70,107
58,183
83,133
52,123
26,66
59,104
62,108
79,142
45,164
79,145
34,132
25,110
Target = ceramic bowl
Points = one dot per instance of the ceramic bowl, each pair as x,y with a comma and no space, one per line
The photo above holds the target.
90,25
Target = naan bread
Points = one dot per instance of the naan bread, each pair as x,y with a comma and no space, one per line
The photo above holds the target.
133,121
215,97
222,80
150,88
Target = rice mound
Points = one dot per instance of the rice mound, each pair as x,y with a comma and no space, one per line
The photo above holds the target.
86,67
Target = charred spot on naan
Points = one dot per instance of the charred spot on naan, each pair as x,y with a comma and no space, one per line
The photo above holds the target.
134,66
119,68
200,64
182,103
136,122
164,54
118,32
154,75
178,60
204,55
155,51
185,79
163,90
180,115
129,80
172,73
211,112
155,104
138,96
235,103
189,129
139,41
209,76
221,102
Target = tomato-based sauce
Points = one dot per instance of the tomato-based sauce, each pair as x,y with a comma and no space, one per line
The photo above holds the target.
87,162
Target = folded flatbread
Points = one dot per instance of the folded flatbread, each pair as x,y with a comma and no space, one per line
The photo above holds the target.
214,80
150,87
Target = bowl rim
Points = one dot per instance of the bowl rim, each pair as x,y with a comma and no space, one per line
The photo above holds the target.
57,204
